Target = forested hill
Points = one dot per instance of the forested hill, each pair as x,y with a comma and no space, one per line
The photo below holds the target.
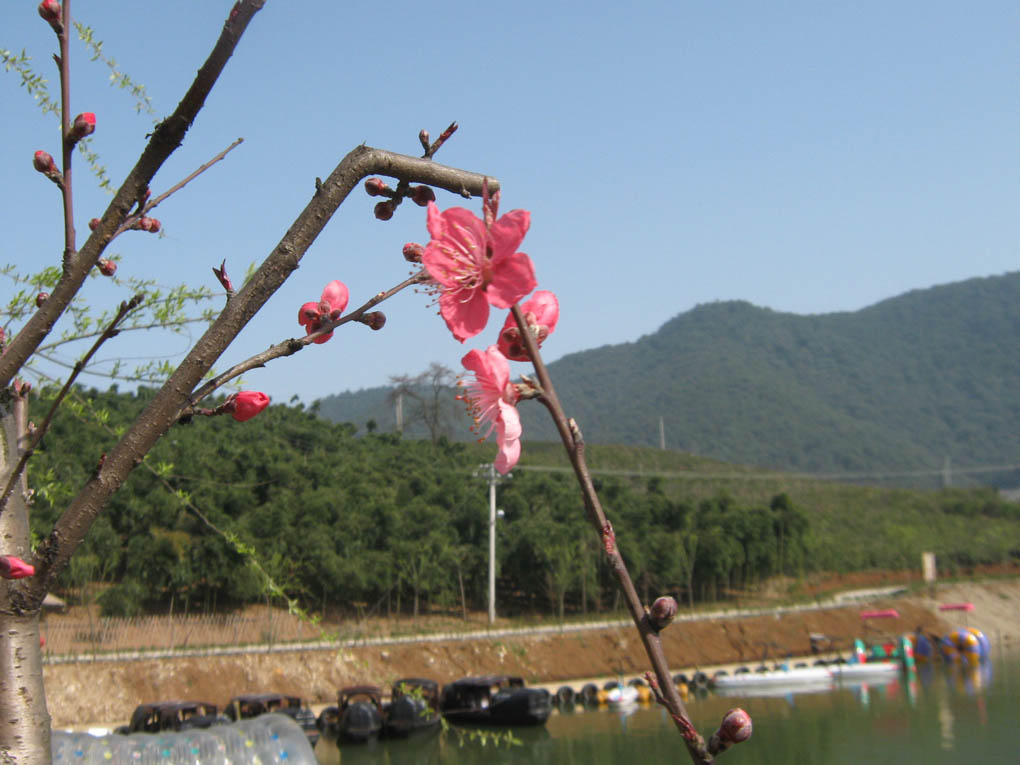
896,387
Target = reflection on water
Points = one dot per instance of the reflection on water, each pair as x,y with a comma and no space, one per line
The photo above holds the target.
941,715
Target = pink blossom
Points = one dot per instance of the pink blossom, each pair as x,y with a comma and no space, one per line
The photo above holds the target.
476,263
246,404
332,303
492,399
15,568
541,313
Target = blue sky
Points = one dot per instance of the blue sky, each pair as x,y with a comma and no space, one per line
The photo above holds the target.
808,157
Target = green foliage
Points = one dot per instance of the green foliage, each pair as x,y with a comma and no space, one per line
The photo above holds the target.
890,390
298,509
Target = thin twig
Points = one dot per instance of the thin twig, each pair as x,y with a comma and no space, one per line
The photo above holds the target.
37,436
177,187
570,434
293,345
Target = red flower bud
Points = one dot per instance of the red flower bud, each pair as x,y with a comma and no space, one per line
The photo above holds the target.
107,267
662,612
84,124
247,404
41,298
423,138
736,726
94,224
422,195
50,12
375,320
15,568
384,210
43,162
149,224
375,187
413,252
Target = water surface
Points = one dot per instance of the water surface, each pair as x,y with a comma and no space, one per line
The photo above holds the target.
940,717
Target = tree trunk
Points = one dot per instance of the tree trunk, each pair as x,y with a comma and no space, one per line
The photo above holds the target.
24,719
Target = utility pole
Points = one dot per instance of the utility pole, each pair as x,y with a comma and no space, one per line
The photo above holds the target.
489,472
400,412
662,434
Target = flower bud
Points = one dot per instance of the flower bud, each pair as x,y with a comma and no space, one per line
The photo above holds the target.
413,252
735,728
384,210
662,612
107,267
84,124
149,224
41,298
423,136
12,567
375,320
94,224
375,187
43,162
422,195
51,13
247,404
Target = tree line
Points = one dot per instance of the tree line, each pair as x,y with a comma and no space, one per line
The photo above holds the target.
375,523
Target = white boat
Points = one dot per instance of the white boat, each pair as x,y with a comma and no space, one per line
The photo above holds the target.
802,679
622,695
775,677
868,671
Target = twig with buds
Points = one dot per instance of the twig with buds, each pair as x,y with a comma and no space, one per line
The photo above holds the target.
648,622
372,319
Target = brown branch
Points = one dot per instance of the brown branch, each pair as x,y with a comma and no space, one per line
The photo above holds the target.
162,411
573,441
293,345
37,436
66,147
165,139
177,187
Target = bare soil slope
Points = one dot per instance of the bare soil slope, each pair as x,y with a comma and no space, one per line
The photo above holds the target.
106,692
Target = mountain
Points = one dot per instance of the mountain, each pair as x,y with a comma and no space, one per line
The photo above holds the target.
928,381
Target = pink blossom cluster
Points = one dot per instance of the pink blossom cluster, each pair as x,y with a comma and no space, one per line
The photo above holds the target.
475,264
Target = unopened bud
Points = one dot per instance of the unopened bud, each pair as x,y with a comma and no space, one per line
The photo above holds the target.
735,728
106,267
50,12
384,210
149,224
84,124
375,320
41,298
94,224
413,252
662,612
423,137
375,187
43,162
422,195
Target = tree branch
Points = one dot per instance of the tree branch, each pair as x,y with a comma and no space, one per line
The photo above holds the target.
160,414
165,139
293,345
573,441
26,454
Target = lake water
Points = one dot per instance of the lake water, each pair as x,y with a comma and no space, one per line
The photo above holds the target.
940,717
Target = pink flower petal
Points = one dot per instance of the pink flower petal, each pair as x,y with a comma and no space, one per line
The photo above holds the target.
512,279
508,232
464,318
336,294
308,313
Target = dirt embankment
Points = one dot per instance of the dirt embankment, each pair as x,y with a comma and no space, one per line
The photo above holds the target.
86,693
